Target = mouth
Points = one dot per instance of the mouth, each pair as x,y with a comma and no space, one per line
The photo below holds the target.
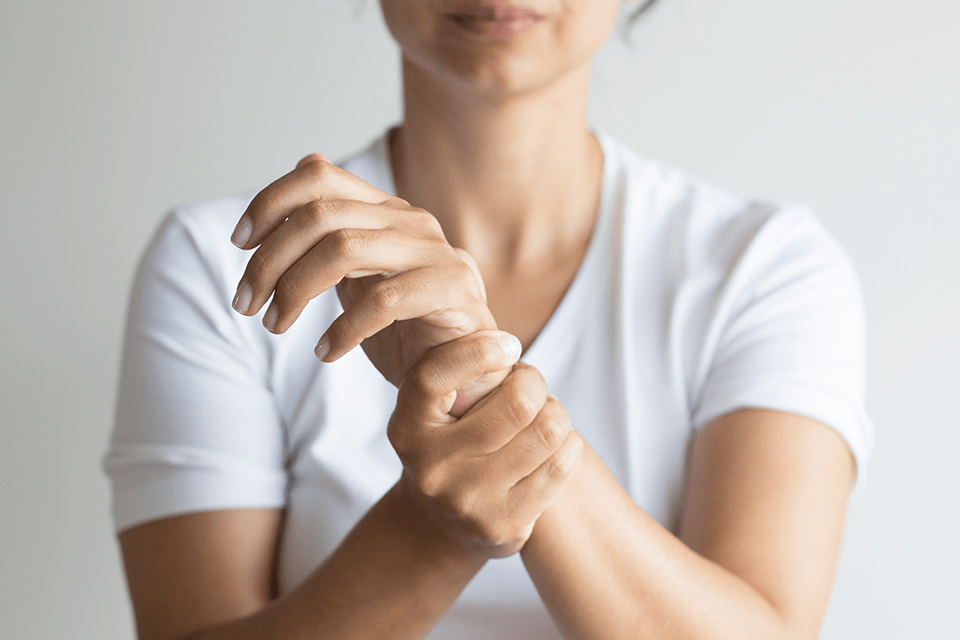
501,20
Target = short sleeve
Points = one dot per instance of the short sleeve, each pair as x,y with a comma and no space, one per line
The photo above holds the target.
788,333
196,426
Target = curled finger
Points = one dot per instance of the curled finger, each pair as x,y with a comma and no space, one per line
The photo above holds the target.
431,384
434,299
529,497
511,407
313,179
535,443
343,253
293,240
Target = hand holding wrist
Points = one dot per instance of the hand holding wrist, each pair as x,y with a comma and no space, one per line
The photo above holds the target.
483,479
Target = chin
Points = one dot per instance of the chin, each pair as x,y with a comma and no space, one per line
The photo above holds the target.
525,53
496,76
493,73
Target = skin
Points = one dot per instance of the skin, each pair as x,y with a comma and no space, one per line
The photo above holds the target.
495,128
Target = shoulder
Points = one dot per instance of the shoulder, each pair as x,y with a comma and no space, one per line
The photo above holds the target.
213,216
701,228
194,240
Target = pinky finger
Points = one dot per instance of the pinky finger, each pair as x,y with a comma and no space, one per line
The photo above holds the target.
533,494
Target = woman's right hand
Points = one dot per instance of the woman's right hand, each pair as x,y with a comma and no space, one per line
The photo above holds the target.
483,479
404,289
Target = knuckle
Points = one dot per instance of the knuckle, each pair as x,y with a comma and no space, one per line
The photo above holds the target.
342,331
425,220
564,462
348,244
551,432
414,383
537,379
557,412
530,378
487,351
422,381
259,265
559,408
386,296
455,319
523,403
318,212
556,469
398,437
287,289
319,170
464,274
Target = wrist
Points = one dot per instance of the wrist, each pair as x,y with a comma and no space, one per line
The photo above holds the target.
430,538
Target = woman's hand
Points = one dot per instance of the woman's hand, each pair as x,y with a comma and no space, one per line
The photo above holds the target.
483,479
403,287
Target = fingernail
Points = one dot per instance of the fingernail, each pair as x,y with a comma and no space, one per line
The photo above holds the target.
270,317
511,346
243,231
241,301
323,348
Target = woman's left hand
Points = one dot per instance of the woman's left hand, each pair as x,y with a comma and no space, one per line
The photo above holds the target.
404,289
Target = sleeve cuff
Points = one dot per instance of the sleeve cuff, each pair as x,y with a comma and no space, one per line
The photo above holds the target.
161,482
851,425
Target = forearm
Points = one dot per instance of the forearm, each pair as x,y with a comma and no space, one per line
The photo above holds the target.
399,570
390,578
606,569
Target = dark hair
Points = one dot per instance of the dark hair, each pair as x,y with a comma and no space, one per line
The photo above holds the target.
642,9
635,16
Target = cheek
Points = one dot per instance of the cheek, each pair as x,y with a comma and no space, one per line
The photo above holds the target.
407,21
586,25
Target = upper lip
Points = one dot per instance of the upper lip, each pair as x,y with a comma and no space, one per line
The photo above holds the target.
496,12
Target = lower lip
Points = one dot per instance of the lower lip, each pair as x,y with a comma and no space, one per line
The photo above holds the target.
496,28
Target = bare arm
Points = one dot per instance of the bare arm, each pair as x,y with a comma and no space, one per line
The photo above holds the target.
765,502
208,576
472,488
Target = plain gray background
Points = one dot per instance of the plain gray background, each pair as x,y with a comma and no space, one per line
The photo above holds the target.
113,112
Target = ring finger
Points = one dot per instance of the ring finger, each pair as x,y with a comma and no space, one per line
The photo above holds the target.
343,253
293,239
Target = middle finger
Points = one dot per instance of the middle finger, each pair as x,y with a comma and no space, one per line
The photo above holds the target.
293,239
344,253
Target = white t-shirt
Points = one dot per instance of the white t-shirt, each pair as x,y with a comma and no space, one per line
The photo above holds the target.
689,304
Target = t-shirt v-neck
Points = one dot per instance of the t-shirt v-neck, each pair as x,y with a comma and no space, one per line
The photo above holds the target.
555,337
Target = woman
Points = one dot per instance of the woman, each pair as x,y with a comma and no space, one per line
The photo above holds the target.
707,349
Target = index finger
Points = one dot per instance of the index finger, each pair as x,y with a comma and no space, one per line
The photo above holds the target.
313,179
311,158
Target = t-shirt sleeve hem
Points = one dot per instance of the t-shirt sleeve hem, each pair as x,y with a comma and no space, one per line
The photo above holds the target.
194,491
852,426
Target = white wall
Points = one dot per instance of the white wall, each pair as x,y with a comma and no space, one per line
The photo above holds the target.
112,112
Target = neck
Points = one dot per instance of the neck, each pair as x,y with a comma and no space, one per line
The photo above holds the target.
509,177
